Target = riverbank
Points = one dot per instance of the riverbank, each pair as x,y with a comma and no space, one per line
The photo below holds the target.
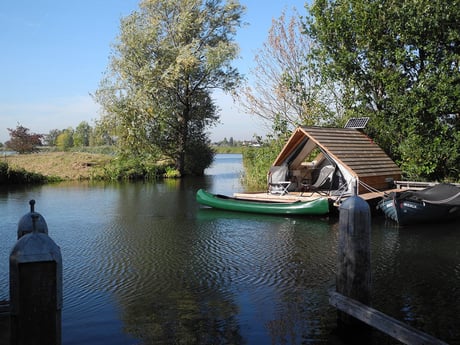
57,166
61,165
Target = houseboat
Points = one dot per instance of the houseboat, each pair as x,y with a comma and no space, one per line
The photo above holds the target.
332,163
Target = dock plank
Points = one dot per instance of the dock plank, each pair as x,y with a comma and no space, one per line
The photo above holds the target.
267,197
307,196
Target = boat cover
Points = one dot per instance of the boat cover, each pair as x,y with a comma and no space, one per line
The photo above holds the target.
443,193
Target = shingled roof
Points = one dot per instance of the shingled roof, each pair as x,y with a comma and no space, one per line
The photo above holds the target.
355,151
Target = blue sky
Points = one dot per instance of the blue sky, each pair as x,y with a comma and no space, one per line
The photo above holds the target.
54,53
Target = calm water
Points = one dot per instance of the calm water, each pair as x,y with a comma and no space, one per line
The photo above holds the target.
144,264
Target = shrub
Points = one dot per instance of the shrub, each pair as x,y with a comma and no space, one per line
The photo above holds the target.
20,176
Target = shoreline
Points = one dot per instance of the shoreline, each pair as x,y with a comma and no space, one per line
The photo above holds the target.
62,165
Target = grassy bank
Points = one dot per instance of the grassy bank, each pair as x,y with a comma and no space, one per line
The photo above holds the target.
55,166
61,165
228,149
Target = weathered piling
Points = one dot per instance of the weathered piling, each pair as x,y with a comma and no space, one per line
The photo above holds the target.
353,278
35,285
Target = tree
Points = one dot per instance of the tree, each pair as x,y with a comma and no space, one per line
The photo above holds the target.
82,134
100,136
65,140
285,87
22,141
399,63
51,137
156,95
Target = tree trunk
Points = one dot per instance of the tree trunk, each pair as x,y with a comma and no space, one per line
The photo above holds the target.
183,140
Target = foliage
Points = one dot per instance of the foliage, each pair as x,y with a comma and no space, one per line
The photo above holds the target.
440,158
64,141
50,139
285,86
100,136
228,149
156,95
82,134
199,156
171,173
399,63
9,176
103,150
257,162
132,169
22,141
83,137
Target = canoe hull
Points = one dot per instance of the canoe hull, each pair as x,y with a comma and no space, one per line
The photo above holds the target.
318,206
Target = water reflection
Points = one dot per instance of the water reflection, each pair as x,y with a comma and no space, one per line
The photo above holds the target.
144,264
211,277
415,277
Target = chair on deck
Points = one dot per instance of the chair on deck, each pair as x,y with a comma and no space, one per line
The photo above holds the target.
278,182
324,179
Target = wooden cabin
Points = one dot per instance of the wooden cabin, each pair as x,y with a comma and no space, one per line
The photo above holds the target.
355,157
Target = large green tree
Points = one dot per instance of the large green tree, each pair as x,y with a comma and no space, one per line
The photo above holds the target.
399,63
169,57
65,140
82,134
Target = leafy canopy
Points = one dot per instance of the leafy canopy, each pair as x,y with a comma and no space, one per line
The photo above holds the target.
22,141
169,57
398,62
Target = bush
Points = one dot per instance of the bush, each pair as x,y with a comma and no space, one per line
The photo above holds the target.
257,162
3,172
199,156
20,176
133,169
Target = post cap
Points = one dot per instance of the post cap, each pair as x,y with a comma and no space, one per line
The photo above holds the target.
32,221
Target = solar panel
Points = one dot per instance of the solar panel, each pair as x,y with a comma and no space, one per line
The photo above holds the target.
357,122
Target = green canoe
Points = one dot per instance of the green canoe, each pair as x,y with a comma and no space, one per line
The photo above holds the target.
314,207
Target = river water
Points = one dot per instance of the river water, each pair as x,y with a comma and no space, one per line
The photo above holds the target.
143,263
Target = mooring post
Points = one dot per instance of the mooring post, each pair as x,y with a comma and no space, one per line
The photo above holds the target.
35,286
354,260
25,225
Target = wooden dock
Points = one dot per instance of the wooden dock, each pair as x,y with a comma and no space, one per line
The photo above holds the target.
309,196
370,197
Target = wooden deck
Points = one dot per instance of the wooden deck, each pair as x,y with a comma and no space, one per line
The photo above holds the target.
370,197
268,197
307,196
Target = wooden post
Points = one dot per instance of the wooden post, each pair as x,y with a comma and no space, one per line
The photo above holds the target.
354,263
384,323
35,289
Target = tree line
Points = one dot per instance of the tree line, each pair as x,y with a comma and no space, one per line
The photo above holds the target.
396,63
22,140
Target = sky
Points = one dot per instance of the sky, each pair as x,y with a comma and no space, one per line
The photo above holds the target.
54,54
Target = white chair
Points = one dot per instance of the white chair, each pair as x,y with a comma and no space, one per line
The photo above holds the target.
278,182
